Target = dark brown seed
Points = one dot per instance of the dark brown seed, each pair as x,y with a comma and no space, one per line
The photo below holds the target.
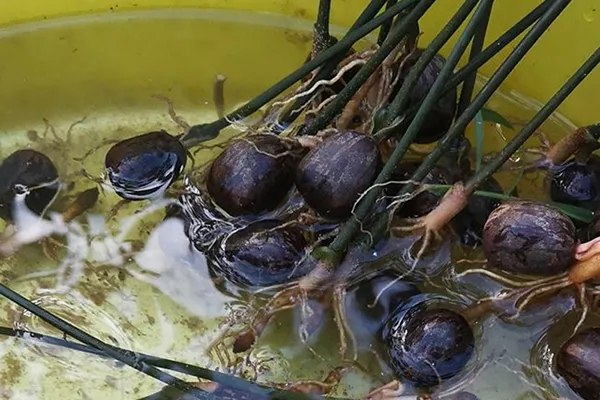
440,118
424,202
144,166
264,254
529,237
579,363
254,174
428,345
334,174
31,169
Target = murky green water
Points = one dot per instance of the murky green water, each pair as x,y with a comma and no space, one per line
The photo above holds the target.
138,285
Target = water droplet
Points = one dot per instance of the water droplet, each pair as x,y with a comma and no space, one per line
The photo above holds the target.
589,15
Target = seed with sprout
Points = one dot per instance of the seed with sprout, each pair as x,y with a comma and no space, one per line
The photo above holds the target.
144,167
30,171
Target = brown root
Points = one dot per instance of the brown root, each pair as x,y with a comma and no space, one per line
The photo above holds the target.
83,202
539,291
284,300
585,307
179,121
585,270
567,146
219,95
314,387
352,106
453,202
389,391
342,325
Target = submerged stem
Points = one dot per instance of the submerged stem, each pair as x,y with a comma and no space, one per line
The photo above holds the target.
204,132
126,357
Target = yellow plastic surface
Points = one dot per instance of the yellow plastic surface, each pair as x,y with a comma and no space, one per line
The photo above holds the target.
569,41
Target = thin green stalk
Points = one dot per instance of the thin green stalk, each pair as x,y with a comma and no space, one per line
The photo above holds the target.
290,115
396,35
350,228
401,98
535,122
204,132
321,28
126,357
468,86
499,44
192,370
385,28
488,90
483,57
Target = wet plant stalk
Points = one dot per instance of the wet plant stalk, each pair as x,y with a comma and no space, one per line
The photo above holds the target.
124,356
397,34
229,381
468,86
321,28
483,57
499,44
385,28
325,71
486,92
529,129
350,228
203,132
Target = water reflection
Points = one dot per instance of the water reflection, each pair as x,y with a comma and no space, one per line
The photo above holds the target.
169,263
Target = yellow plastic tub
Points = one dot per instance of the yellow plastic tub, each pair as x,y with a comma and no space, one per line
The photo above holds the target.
567,43
62,60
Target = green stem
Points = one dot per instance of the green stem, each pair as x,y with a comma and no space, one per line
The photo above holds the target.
512,146
290,115
487,91
385,28
499,44
204,132
402,97
483,57
468,86
396,35
321,28
124,356
350,228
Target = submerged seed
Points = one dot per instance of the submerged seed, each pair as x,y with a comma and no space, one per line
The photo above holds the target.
143,167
